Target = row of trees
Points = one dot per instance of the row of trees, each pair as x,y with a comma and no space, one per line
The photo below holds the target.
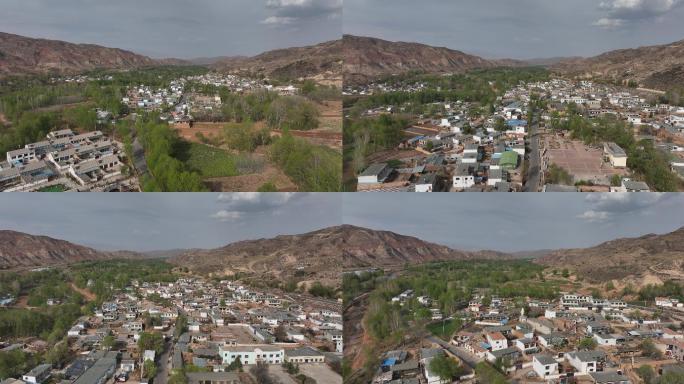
168,173
365,136
313,168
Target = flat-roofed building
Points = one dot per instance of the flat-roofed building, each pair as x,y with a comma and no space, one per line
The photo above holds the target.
375,174
616,156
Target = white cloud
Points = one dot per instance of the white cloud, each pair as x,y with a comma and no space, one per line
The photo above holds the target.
622,202
275,20
619,13
609,23
609,206
224,215
238,205
594,216
286,12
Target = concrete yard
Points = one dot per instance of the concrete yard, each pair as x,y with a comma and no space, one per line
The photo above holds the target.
321,373
581,161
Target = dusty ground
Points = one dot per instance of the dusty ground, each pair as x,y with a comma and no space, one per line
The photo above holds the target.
392,154
422,130
89,296
209,130
329,132
319,136
280,375
321,373
331,115
583,162
251,182
3,119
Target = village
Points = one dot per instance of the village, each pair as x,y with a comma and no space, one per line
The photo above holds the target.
210,331
574,339
84,161
550,136
68,161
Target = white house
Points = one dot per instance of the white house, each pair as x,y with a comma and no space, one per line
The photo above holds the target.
544,366
38,374
586,361
250,355
497,341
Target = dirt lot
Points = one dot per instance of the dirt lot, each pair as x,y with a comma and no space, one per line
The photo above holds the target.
391,154
331,115
581,161
425,130
208,129
280,375
318,136
251,182
321,373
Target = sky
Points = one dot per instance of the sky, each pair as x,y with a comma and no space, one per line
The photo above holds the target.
518,221
164,221
504,222
520,29
178,28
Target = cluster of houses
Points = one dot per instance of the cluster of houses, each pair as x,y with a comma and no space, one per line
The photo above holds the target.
454,149
64,157
239,84
180,105
455,153
226,322
576,338
150,99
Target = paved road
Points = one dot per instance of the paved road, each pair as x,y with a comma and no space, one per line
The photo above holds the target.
462,354
534,168
163,371
139,157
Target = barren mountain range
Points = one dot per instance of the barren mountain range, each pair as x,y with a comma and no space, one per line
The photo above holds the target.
19,250
19,55
661,256
25,55
327,252
324,59
657,66
367,58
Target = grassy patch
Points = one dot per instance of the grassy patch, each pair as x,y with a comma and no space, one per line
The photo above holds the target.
207,161
444,331
53,188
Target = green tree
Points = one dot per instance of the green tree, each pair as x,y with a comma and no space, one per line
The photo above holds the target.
486,374
447,369
149,369
648,348
235,365
152,341
615,180
108,342
647,374
587,343
177,376
267,187
59,354
672,378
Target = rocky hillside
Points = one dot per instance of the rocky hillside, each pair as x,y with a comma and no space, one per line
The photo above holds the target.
323,252
366,58
23,250
21,55
657,66
661,256
320,61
